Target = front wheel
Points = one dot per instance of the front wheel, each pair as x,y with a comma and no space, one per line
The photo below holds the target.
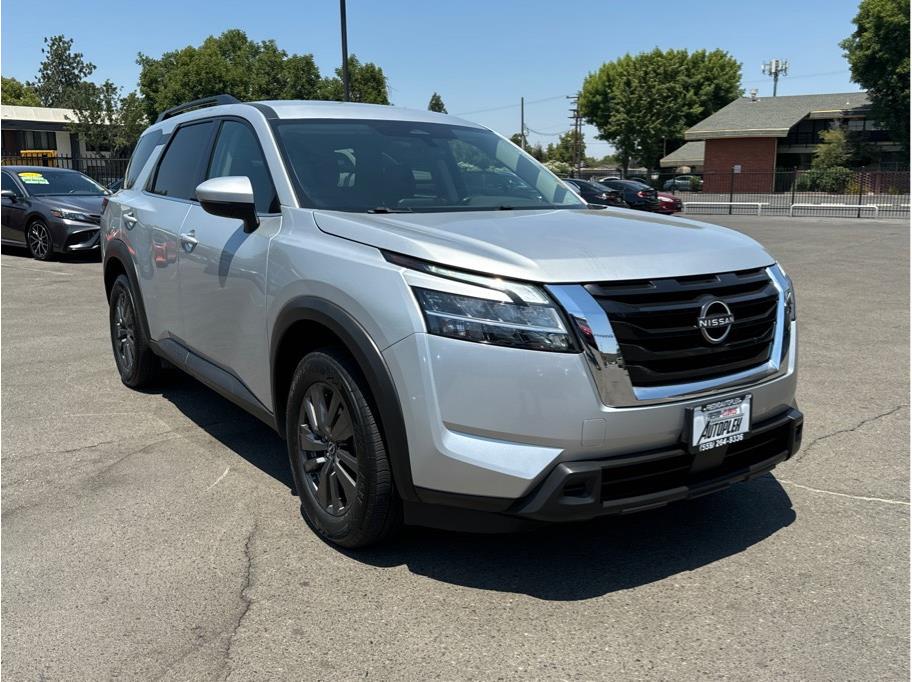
337,456
38,240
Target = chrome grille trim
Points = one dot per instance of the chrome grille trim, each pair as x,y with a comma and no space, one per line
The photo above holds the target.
602,352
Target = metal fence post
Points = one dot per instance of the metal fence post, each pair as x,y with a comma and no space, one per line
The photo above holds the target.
860,190
794,183
731,189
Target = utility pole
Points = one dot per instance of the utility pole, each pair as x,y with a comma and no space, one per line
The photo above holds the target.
522,123
345,84
776,68
577,135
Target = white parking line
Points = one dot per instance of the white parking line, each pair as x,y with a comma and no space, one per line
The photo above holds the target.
26,267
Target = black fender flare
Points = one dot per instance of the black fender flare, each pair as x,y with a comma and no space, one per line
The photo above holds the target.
116,249
373,367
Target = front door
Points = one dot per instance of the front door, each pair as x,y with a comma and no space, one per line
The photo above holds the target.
12,220
223,269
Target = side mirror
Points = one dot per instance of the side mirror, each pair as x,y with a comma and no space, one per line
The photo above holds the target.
8,194
229,197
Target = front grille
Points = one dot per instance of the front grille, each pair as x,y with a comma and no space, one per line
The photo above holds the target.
94,218
655,323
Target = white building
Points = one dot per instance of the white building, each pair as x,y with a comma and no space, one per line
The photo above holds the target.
40,128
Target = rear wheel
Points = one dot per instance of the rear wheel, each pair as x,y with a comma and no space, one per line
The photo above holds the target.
137,364
337,456
38,240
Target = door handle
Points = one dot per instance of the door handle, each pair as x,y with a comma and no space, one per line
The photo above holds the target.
189,240
130,220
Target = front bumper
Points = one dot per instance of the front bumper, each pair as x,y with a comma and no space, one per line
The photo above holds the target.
73,235
581,491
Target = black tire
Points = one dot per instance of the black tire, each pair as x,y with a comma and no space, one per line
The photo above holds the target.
137,364
349,499
39,241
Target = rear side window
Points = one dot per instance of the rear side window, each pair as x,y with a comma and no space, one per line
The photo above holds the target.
181,167
141,154
237,152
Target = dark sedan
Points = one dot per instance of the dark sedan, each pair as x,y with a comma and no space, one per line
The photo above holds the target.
596,193
50,210
637,194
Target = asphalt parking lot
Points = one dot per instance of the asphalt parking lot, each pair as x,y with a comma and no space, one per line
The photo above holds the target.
150,535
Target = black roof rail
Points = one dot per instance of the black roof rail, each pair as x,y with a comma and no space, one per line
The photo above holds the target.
213,101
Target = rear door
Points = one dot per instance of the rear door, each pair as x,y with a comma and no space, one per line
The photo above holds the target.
223,270
12,220
152,219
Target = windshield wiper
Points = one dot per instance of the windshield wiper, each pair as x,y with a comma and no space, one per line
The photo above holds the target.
386,209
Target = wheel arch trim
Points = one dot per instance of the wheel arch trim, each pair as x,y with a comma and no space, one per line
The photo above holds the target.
372,365
116,250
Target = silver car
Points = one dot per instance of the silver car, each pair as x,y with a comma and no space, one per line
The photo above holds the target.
437,325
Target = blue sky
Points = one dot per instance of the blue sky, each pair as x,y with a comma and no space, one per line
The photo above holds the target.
480,56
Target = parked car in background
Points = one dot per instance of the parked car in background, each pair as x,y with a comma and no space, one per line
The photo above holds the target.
684,183
596,193
669,203
50,210
636,194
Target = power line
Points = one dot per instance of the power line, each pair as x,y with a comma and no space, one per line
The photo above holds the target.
510,106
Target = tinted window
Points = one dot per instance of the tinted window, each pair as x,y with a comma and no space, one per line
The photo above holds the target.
9,183
141,154
360,165
237,152
51,181
180,169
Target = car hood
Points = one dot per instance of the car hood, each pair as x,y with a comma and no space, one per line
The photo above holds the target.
74,203
555,245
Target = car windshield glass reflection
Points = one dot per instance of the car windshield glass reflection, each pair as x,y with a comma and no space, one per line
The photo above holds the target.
404,166
47,182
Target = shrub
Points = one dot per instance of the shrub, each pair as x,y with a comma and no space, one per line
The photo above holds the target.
834,180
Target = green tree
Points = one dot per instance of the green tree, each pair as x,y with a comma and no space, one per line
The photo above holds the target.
878,55
17,93
643,103
61,72
366,81
436,104
230,63
566,148
833,149
516,138
105,120
559,168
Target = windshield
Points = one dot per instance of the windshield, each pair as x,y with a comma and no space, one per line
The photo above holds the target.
383,166
54,181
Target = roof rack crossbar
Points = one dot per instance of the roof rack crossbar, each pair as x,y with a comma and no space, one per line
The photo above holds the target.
215,100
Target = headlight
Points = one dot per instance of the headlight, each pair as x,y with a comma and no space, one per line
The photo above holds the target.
70,215
791,305
490,310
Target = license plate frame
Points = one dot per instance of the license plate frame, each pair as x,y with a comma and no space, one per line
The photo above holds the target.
713,425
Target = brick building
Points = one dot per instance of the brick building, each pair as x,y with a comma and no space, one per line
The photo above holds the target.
755,137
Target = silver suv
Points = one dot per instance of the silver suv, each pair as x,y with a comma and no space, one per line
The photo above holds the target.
441,330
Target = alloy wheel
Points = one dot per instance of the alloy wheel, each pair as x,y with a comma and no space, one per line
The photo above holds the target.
39,240
125,332
326,445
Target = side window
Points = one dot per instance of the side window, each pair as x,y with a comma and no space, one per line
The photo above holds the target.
10,184
141,154
237,152
180,169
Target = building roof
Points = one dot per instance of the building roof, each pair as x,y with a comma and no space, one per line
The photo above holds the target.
9,112
689,154
773,116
